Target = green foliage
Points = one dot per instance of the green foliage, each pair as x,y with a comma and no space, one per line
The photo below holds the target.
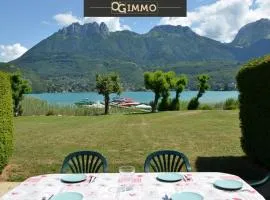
164,104
179,86
193,104
254,87
61,76
161,83
6,120
175,104
231,104
19,87
157,82
206,107
203,86
106,85
50,113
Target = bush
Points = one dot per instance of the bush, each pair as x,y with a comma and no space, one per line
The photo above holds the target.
206,107
175,104
6,120
193,104
164,105
253,81
50,113
231,104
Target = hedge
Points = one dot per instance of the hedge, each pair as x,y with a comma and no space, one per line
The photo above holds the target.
253,81
6,120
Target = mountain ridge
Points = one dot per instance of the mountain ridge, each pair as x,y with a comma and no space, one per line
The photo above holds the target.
252,32
69,58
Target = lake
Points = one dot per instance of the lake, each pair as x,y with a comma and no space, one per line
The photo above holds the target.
143,97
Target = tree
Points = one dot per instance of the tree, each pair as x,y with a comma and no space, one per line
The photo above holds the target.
156,81
203,86
179,86
106,85
19,87
165,101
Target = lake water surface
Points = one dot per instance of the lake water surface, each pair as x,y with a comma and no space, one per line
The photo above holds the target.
143,97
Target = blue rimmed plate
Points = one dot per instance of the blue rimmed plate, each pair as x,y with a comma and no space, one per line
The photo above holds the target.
187,196
68,196
228,184
73,178
169,177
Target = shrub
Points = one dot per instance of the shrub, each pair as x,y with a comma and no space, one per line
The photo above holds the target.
193,104
6,120
218,106
164,104
231,104
253,82
50,113
206,107
175,104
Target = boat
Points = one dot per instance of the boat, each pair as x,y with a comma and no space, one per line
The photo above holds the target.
122,101
96,105
144,107
84,102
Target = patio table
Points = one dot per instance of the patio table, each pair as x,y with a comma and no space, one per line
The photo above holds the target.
145,187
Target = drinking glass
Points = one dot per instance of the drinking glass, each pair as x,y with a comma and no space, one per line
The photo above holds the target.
126,177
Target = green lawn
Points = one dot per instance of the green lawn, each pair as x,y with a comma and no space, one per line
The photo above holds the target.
41,143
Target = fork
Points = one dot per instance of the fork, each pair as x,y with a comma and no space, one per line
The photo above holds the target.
92,179
186,178
166,197
44,198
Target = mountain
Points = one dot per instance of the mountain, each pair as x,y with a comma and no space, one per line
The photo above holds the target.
69,59
252,33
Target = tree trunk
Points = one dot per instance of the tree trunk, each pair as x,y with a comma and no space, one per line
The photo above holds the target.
154,108
177,95
106,100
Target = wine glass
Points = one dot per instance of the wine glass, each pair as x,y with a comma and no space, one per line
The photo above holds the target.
126,177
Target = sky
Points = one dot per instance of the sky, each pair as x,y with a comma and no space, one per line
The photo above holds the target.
25,23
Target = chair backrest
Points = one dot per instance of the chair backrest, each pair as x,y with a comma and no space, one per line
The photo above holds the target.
261,182
84,162
166,161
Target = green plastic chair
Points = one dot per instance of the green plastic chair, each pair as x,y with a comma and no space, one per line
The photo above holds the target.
166,161
261,182
84,162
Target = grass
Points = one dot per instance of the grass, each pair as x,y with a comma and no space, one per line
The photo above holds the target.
33,106
42,142
36,107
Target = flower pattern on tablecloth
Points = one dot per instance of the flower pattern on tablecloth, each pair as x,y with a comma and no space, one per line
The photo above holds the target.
144,186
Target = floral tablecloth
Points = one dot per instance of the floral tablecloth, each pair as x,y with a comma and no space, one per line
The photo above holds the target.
145,187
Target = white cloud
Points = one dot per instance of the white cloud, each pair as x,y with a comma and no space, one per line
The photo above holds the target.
11,52
223,19
113,23
65,19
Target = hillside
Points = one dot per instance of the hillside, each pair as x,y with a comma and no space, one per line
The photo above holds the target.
69,59
252,33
